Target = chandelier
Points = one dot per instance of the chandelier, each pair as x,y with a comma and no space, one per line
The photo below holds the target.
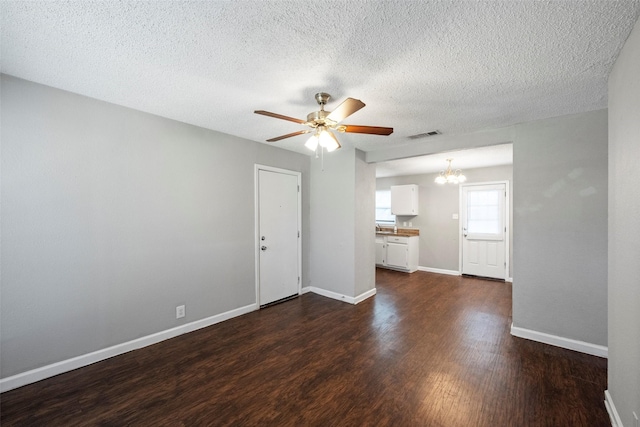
450,176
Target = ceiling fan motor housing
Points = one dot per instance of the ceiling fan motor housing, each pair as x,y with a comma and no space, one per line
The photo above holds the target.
319,118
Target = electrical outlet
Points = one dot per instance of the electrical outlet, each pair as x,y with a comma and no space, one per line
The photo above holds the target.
180,312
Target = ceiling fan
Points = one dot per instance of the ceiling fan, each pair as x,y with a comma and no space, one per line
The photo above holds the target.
322,122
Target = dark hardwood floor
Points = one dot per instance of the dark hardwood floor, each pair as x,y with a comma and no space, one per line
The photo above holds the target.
427,350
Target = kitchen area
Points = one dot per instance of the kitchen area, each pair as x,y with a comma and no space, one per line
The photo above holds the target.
417,211
398,248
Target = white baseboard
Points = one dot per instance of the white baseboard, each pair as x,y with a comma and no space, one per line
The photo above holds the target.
611,409
439,271
43,372
334,295
363,296
568,343
509,279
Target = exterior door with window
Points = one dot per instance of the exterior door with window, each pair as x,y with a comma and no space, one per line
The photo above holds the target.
484,212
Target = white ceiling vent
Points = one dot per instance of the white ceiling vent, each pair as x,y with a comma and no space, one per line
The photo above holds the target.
425,134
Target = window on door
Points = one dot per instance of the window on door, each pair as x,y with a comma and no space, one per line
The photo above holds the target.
383,207
484,212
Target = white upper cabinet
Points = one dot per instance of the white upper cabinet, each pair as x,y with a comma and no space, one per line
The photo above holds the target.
404,199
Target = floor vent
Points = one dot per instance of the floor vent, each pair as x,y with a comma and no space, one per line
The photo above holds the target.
426,134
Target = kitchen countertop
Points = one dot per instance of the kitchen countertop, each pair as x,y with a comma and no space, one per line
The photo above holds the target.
403,232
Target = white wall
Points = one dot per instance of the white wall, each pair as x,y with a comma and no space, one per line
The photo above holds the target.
112,217
624,231
439,232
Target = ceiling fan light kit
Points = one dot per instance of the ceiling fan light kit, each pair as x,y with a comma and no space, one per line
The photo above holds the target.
324,138
450,176
322,123
312,143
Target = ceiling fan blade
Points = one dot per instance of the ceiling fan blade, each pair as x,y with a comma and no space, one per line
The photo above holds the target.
289,135
372,130
279,116
344,110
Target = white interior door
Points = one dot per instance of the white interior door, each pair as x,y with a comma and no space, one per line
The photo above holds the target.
484,230
278,235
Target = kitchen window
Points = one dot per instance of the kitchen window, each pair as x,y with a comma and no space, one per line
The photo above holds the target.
383,207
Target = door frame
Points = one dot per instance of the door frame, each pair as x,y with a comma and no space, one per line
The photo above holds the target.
507,224
256,228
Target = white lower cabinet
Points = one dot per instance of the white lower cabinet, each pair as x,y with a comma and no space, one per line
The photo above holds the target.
397,252
398,255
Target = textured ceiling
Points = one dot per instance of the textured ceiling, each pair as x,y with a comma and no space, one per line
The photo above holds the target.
455,66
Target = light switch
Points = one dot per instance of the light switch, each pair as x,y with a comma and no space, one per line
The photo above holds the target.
454,216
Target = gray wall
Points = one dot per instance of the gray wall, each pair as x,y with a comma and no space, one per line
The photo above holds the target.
560,227
342,223
332,222
365,217
439,233
624,230
111,217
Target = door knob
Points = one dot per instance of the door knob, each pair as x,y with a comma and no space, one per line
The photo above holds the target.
264,248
